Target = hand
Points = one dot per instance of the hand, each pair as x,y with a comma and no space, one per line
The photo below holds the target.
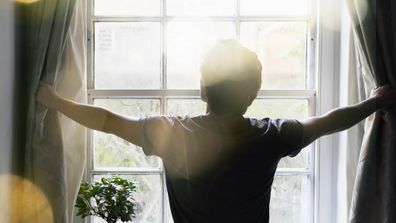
46,95
385,96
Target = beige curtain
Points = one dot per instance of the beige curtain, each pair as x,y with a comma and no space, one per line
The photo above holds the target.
374,195
73,86
351,144
359,84
51,47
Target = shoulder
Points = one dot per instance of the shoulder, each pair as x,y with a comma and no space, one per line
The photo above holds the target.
158,133
286,123
282,130
162,118
165,121
277,123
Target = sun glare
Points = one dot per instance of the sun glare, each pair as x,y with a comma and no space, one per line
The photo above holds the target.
22,202
26,1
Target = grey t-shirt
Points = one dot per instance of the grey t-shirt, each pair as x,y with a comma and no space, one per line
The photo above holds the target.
217,169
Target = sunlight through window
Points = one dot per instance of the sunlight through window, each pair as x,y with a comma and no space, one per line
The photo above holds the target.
145,56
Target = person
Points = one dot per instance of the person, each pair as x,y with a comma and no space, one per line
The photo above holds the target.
220,166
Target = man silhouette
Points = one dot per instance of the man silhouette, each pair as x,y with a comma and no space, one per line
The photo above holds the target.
220,166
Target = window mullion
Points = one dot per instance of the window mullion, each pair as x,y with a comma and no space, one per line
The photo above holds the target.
163,101
99,93
292,172
124,171
192,19
286,93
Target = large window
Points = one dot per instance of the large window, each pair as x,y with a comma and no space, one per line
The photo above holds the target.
144,58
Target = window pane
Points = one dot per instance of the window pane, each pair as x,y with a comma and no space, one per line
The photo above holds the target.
148,197
127,7
182,107
278,108
111,151
127,55
200,7
281,47
283,108
186,43
290,199
271,7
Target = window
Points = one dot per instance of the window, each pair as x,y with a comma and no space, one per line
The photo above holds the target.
144,58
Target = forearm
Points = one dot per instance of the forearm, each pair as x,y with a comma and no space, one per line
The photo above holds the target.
87,115
337,120
343,118
90,116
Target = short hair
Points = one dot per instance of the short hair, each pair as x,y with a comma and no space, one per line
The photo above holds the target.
230,75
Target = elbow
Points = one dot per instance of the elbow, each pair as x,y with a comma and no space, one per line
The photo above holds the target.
308,140
105,124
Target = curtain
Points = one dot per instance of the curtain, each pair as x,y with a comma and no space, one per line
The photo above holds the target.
374,196
352,91
73,86
47,151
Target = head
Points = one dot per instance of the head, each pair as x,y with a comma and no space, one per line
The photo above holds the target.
230,78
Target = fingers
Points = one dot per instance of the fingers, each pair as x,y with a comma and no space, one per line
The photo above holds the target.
385,96
46,95
48,89
44,85
384,89
382,86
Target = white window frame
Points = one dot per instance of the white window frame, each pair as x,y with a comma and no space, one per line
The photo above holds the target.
328,68
322,48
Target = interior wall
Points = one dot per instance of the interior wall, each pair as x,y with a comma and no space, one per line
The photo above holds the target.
6,84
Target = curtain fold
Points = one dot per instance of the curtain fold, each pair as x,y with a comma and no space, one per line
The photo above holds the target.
352,141
44,36
73,86
374,196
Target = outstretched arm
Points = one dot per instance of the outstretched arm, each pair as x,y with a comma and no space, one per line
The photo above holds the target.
343,118
93,117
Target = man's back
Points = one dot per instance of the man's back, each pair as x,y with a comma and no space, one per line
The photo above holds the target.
220,170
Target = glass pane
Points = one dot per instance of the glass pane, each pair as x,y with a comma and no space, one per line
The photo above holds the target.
274,8
281,47
290,199
182,107
148,197
278,108
111,151
127,7
127,55
200,7
302,160
283,108
186,43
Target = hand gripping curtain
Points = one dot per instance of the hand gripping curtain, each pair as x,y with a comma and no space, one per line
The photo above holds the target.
374,196
43,44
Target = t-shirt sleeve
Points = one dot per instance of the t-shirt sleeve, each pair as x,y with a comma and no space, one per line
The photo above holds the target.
290,133
155,134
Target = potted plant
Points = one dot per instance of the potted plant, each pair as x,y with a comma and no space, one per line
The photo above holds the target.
110,199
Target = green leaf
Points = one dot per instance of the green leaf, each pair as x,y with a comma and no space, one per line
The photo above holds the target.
109,199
